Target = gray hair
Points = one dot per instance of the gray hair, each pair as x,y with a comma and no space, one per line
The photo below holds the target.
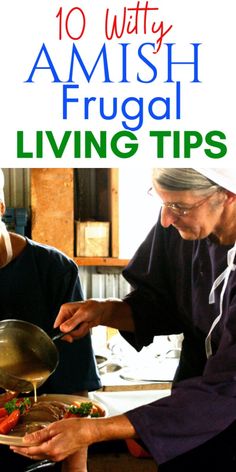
182,179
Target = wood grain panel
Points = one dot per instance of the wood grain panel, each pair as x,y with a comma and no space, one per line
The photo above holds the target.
52,200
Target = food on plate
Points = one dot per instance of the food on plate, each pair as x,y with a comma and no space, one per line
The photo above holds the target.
19,416
9,422
6,396
84,409
10,413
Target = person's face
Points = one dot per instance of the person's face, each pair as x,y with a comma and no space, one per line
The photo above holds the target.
193,214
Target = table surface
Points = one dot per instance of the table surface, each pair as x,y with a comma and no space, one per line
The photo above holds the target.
118,402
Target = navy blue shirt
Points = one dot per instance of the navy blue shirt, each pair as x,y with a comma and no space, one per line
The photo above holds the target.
33,287
172,279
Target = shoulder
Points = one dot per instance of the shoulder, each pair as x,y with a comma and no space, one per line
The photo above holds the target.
49,255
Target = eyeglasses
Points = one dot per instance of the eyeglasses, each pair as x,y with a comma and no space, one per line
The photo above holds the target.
179,209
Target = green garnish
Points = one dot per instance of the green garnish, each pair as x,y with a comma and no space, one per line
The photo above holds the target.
84,409
17,404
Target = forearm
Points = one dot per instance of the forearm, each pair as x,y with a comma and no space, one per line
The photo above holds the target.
76,462
117,314
113,428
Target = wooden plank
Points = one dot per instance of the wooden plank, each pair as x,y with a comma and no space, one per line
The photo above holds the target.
101,261
137,387
52,202
114,185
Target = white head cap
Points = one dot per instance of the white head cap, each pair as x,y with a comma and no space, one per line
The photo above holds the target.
226,178
2,199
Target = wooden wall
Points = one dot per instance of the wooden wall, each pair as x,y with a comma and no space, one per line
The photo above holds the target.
52,204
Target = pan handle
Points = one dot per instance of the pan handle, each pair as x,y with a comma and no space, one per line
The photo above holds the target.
58,334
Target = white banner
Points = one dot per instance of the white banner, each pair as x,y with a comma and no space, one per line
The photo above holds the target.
88,83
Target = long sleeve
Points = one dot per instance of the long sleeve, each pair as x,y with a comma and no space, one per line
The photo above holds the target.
172,279
149,274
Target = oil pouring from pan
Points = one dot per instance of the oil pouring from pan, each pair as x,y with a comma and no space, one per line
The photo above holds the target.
28,356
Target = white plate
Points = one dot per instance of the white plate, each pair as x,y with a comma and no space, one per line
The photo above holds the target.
12,440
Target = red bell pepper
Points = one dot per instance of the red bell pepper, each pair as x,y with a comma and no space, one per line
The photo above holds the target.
9,422
3,412
3,418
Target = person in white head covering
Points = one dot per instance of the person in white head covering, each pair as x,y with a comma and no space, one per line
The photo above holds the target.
35,279
184,281
225,177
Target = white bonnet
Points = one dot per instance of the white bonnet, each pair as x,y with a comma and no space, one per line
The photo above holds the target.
226,178
1,186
